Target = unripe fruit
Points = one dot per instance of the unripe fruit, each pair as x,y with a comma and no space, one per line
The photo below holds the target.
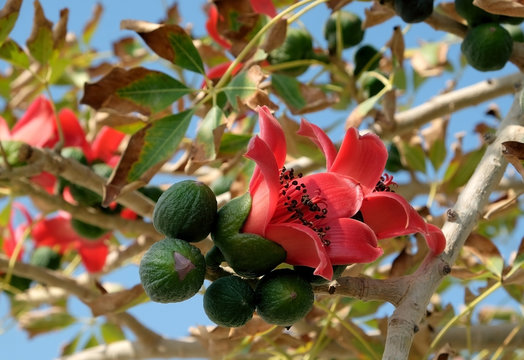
283,297
172,270
350,29
187,210
487,47
229,301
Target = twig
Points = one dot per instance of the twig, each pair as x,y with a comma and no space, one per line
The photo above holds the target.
405,319
448,103
79,174
89,215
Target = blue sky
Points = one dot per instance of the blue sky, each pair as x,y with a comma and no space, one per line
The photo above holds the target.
173,320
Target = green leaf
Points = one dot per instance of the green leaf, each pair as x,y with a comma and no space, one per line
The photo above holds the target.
41,43
415,157
12,52
5,214
160,142
288,88
111,332
91,342
186,54
43,321
155,90
70,347
437,153
495,264
400,81
8,17
459,171
232,144
241,86
205,135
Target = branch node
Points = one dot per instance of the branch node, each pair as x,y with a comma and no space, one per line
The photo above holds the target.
416,329
452,215
332,288
489,138
446,269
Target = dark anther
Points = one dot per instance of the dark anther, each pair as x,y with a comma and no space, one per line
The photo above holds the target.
294,182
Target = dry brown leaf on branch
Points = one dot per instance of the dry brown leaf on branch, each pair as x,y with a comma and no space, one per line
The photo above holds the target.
397,45
435,131
335,5
116,301
275,36
102,94
60,29
129,54
430,60
513,8
514,153
482,247
376,14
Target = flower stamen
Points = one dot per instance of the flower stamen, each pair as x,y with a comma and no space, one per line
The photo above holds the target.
385,183
300,207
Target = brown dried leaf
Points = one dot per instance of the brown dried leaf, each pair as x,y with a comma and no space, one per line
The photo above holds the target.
435,131
91,25
481,246
197,154
335,5
60,30
389,105
102,94
428,68
172,15
275,36
514,152
116,301
377,14
397,45
502,7
259,98
236,21
128,52
464,273
41,25
401,264
156,36
10,7
316,100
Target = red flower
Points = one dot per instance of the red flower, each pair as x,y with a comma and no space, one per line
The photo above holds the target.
14,235
330,218
58,233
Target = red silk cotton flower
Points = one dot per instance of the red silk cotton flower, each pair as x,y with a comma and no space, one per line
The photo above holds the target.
329,218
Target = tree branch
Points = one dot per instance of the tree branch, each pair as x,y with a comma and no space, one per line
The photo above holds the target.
89,215
448,103
405,319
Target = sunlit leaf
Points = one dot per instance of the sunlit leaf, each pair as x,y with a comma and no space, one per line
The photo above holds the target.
288,88
111,332
40,43
460,170
91,342
5,214
149,147
437,153
415,157
205,133
70,347
155,90
91,26
43,321
232,144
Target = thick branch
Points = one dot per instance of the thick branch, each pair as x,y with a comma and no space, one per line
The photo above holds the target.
390,290
448,103
405,319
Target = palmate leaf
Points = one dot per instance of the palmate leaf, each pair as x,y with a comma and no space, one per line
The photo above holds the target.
147,149
41,43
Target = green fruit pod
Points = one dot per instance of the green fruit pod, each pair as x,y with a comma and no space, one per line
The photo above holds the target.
350,29
413,11
229,301
187,210
172,270
283,297
487,47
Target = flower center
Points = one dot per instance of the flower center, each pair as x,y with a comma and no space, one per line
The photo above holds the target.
385,183
297,205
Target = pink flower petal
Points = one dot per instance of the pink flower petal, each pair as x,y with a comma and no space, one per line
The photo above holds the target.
264,7
74,135
212,30
37,126
45,180
105,145
351,241
435,239
361,157
5,132
265,190
389,215
54,232
93,255
320,138
303,247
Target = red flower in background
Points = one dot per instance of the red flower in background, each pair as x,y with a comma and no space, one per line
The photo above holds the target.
265,7
13,235
38,127
58,233
330,218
